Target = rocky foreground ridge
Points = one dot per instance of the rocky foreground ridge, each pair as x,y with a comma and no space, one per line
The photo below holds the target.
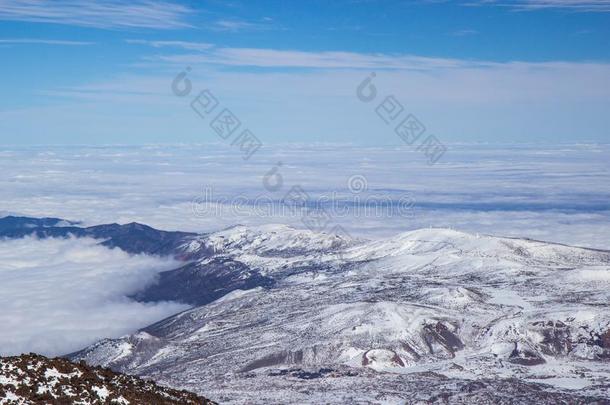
34,379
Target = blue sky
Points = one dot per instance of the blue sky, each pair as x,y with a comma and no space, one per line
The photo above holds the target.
471,71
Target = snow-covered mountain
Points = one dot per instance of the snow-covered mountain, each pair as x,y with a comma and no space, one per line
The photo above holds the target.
284,315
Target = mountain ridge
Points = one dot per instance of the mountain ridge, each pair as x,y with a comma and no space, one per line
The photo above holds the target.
290,310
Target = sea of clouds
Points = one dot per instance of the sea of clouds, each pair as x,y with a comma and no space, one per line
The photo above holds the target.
557,193
59,295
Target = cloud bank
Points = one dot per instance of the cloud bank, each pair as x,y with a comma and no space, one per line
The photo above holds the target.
550,192
59,295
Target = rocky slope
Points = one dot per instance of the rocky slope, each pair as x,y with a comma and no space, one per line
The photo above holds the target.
33,379
427,315
290,316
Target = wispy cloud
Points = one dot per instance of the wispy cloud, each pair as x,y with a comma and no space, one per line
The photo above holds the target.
274,58
234,25
601,6
31,41
464,33
192,46
108,14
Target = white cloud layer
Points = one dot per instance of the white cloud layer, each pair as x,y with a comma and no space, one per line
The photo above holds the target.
550,192
59,295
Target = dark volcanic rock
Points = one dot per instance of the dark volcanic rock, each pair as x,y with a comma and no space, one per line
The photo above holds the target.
509,391
556,338
34,379
440,334
525,356
201,283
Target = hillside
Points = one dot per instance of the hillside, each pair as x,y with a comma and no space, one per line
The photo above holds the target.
34,379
